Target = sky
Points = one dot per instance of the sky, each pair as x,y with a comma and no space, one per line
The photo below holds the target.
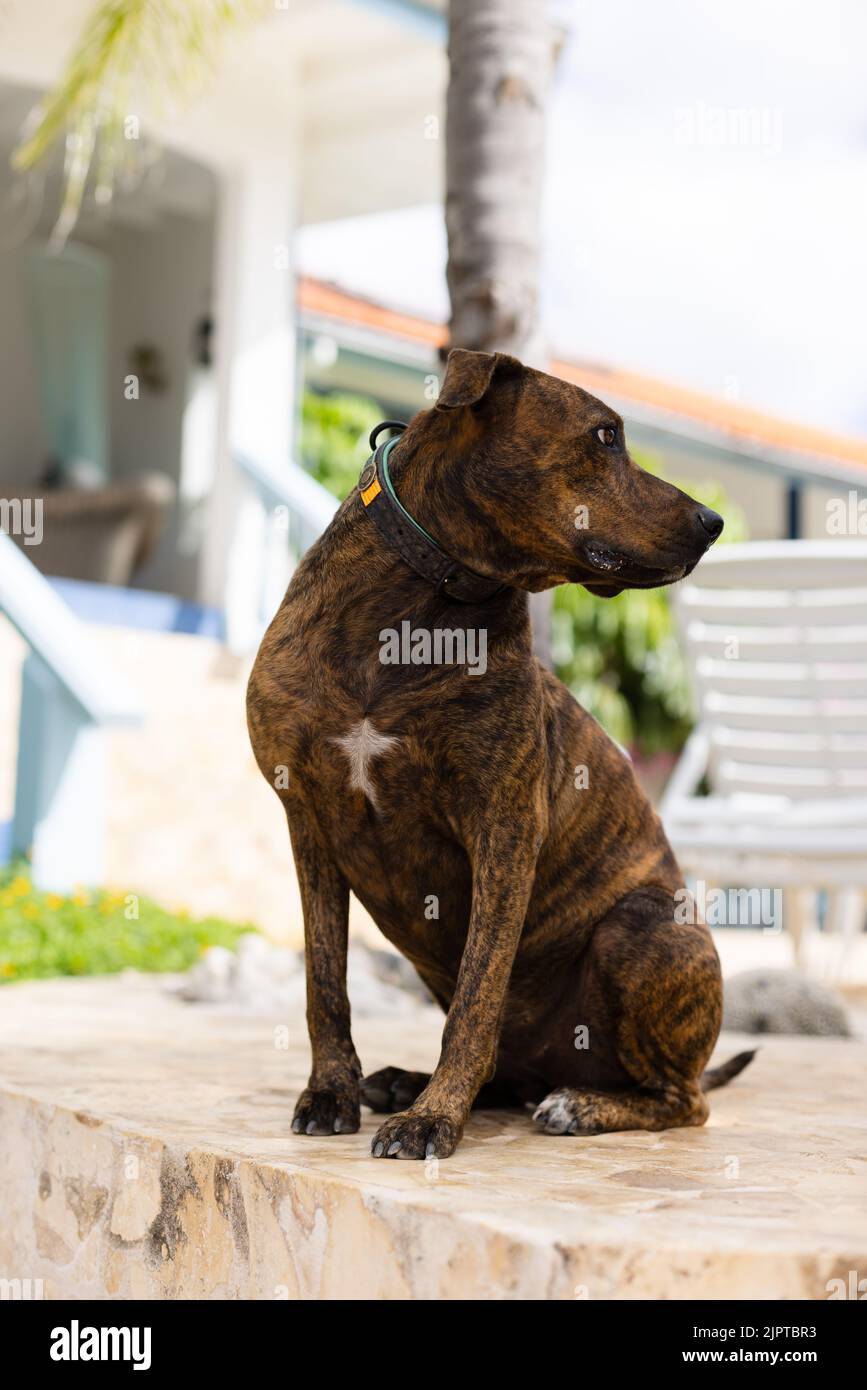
705,210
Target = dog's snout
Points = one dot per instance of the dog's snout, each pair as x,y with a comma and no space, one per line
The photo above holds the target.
711,522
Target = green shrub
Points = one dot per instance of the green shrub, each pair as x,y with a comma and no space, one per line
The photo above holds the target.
334,437
96,933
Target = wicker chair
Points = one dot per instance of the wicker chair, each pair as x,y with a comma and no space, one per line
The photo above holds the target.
103,534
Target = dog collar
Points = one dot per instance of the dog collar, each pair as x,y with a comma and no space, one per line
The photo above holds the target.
404,534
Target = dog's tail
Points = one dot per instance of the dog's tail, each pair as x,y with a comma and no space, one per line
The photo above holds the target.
721,1076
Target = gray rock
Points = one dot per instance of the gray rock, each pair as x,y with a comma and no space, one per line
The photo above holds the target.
263,978
782,1001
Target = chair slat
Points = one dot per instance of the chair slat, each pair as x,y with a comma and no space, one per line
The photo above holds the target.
775,607
764,747
778,641
818,679
729,775
737,711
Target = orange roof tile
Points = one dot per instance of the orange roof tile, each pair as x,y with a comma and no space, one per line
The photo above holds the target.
317,297
739,421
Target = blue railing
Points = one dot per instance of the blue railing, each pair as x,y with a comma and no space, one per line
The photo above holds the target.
69,698
310,505
294,509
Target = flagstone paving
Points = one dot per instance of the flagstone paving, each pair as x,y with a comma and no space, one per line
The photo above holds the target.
147,1153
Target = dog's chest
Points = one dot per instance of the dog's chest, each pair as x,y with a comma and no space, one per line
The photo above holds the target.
389,831
376,785
368,753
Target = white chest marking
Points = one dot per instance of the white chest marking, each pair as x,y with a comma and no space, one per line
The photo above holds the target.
361,745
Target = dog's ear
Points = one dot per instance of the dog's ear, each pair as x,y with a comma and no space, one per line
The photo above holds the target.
469,376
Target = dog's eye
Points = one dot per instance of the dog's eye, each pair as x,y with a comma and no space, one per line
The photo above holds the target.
606,435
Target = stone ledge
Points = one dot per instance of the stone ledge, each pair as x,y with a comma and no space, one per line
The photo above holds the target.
146,1153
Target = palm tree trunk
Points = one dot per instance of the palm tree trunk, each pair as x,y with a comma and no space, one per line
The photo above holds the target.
501,55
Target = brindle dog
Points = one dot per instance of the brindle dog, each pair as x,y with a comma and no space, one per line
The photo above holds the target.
420,784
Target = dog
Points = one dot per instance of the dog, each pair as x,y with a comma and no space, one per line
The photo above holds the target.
493,831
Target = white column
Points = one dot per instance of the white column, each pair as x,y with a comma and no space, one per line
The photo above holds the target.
254,363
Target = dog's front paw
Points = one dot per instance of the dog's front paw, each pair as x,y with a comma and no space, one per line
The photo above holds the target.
416,1134
569,1112
327,1112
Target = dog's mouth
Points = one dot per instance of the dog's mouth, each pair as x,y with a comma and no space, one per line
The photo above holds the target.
618,571
603,558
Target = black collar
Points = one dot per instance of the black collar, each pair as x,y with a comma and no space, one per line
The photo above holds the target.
404,534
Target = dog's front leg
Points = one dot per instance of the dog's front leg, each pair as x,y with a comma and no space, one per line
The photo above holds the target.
504,860
330,1104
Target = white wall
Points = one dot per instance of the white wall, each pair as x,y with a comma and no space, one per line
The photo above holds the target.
161,282
161,287
162,275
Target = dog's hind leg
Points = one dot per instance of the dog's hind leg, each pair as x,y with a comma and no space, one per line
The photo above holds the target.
570,1111
650,999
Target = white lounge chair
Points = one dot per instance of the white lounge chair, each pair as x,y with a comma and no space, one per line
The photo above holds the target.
776,639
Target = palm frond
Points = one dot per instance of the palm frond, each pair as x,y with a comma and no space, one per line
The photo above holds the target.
133,56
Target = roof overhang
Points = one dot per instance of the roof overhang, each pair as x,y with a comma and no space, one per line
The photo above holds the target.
328,93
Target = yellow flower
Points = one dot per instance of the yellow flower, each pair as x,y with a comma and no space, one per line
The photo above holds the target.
19,886
7,968
53,900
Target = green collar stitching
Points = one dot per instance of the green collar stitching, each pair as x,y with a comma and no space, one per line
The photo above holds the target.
386,477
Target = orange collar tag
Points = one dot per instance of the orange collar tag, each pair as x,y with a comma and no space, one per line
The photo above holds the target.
369,493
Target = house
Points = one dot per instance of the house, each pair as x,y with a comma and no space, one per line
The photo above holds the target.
186,281
160,341
163,348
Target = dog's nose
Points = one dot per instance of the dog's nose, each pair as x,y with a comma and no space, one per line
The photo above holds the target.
711,522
